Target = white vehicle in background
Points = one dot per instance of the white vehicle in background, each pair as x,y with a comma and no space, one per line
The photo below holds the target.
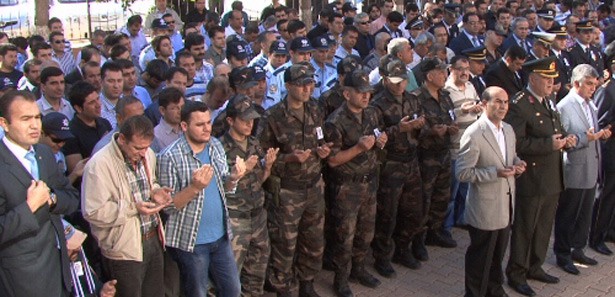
16,16
106,16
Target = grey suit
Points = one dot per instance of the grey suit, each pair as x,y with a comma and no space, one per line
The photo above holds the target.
581,167
489,206
31,264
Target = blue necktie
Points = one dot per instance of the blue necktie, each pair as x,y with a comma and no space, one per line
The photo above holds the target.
31,156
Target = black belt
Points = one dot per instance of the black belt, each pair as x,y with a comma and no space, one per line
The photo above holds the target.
149,234
238,214
298,184
356,178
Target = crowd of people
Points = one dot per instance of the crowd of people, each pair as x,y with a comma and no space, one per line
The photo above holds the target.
229,157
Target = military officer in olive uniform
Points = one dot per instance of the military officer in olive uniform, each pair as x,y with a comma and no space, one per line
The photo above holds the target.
540,141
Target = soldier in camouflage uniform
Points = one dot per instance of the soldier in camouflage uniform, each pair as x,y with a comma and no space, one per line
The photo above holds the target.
247,214
400,204
296,212
333,98
329,101
434,152
353,131
242,82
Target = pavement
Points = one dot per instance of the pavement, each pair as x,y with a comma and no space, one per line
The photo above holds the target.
443,275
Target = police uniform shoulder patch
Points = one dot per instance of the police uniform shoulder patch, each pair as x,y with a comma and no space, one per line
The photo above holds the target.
280,70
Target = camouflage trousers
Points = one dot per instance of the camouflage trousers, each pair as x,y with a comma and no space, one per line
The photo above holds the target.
296,226
436,176
251,248
400,212
354,217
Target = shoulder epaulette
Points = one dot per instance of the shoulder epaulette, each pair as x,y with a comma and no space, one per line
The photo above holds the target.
518,97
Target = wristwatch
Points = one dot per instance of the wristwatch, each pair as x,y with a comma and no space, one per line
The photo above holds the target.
53,198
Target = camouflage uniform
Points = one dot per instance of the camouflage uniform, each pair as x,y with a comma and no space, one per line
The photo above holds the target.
332,99
434,155
248,217
296,215
400,212
355,185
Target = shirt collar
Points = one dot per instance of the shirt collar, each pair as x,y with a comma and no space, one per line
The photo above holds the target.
17,150
167,128
491,125
47,106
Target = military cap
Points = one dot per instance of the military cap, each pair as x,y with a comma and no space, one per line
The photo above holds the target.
331,39
320,42
584,25
301,44
416,22
278,47
241,106
237,50
546,67
546,13
452,7
559,31
543,37
348,64
358,80
478,53
299,74
242,78
433,64
348,6
396,71
382,64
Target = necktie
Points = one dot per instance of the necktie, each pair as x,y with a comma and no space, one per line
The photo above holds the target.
588,53
475,41
31,156
588,114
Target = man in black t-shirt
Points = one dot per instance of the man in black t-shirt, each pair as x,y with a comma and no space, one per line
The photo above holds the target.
8,52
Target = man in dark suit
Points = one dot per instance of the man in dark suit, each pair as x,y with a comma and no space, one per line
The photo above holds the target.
88,53
488,161
581,167
605,205
583,52
506,73
521,30
540,139
33,195
449,19
468,38
559,50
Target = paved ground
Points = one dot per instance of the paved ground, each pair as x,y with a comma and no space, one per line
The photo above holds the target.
443,275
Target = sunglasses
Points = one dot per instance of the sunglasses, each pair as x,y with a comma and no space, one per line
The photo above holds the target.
363,23
170,22
59,41
56,140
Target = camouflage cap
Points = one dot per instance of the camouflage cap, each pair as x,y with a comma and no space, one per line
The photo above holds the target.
358,80
299,74
241,106
396,71
433,64
348,64
242,78
382,64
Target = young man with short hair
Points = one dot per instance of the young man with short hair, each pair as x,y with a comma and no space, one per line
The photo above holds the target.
53,86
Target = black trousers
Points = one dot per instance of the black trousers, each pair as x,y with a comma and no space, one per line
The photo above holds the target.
572,221
483,262
604,209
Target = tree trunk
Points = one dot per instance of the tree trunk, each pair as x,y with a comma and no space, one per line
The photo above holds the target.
41,7
306,12
399,6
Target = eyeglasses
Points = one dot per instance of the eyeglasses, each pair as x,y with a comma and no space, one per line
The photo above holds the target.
59,41
170,22
56,140
363,23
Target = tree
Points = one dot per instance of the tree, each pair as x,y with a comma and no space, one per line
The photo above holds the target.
41,7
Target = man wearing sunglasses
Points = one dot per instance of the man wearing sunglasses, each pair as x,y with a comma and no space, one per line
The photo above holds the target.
65,59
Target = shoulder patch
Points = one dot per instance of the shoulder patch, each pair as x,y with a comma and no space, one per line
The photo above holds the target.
518,97
280,70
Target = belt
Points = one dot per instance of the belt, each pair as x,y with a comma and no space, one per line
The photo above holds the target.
357,178
238,214
149,234
299,184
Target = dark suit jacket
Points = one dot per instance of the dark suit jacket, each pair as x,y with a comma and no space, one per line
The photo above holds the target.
604,99
479,84
510,41
499,75
578,56
365,44
30,263
460,43
73,77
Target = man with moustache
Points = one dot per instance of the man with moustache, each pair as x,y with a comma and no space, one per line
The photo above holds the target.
540,139
489,163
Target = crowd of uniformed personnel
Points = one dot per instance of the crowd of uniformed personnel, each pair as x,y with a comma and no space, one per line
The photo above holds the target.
283,150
